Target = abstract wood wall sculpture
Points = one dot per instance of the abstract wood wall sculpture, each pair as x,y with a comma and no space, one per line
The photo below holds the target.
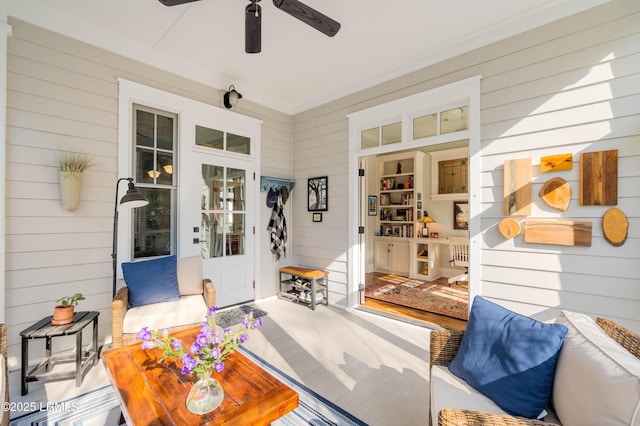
599,178
517,187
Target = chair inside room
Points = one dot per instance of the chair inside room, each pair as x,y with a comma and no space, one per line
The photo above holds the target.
459,257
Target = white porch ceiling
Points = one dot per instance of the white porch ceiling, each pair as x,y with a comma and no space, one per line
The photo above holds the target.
299,67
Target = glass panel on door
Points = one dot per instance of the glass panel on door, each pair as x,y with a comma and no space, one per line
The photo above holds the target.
222,230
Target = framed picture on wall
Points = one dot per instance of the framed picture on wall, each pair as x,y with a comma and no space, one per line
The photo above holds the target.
373,205
461,215
318,194
317,217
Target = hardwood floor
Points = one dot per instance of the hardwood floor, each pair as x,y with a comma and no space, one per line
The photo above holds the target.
441,320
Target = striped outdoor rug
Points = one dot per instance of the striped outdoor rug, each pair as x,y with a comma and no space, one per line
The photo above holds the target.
101,408
313,409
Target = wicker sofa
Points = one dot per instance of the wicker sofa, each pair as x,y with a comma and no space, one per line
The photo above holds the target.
196,295
444,347
4,378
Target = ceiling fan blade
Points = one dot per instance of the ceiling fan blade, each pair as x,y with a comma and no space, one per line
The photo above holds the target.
175,2
253,28
309,16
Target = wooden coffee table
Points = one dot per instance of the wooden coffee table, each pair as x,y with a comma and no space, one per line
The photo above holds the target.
153,393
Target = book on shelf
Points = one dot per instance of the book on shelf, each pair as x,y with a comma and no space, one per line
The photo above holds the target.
406,199
387,184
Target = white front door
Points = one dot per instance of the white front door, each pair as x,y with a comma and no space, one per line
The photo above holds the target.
217,208
226,245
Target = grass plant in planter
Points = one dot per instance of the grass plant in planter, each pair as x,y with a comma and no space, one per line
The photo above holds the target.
71,165
64,310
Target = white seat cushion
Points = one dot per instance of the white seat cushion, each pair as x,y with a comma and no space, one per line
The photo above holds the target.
597,381
190,275
187,310
450,391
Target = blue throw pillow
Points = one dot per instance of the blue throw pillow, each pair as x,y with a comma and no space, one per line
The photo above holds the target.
509,357
151,281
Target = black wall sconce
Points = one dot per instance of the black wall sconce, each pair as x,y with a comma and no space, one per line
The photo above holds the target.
231,97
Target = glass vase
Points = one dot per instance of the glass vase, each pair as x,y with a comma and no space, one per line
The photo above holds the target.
205,396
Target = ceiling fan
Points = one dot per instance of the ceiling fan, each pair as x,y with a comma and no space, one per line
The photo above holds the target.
253,20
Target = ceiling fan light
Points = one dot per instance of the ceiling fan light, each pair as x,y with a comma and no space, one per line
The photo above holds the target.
253,28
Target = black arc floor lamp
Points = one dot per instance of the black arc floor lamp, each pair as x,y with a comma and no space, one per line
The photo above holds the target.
132,199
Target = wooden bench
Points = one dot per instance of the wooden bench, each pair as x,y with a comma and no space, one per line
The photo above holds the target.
318,282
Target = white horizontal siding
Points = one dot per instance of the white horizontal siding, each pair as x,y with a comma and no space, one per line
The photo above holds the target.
62,94
570,86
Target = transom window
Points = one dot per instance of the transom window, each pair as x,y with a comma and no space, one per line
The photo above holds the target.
225,141
423,126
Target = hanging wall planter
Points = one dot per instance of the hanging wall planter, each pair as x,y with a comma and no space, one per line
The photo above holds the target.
70,189
71,166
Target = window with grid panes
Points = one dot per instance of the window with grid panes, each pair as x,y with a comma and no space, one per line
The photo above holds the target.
154,168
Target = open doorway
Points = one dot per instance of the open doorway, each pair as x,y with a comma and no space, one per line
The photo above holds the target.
416,203
440,119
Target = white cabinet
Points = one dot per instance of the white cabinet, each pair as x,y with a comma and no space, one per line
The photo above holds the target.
426,255
392,255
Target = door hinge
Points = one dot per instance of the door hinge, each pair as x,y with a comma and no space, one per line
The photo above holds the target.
254,284
254,175
360,172
254,230
360,229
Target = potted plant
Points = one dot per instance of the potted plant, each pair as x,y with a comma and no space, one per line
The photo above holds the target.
70,166
64,310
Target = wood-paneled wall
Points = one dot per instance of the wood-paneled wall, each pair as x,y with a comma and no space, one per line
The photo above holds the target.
570,86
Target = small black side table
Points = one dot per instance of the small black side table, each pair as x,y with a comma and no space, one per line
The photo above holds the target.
44,329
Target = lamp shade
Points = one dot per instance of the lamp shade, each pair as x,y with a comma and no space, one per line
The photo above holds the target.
133,198
427,219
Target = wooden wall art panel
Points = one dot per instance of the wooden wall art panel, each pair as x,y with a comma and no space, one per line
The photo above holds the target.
554,163
559,232
556,193
517,187
599,178
615,226
509,227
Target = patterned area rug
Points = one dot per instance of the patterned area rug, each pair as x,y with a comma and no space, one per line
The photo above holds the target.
426,296
227,318
101,407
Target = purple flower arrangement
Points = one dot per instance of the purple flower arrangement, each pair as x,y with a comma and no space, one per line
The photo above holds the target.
209,350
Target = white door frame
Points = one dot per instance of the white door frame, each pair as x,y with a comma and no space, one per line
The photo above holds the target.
188,111
404,110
